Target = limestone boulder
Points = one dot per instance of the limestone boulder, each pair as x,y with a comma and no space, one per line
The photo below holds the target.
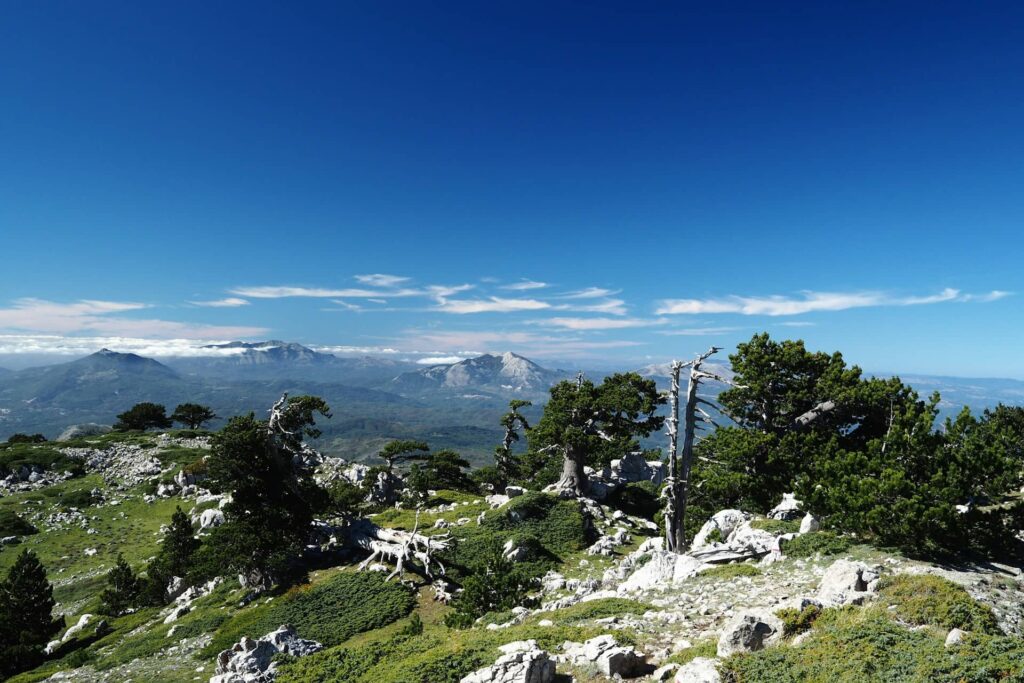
699,670
520,662
749,632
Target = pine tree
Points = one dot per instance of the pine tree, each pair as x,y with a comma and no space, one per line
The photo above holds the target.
176,558
192,415
122,589
26,615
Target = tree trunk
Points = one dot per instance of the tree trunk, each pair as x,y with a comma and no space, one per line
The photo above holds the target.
573,477
673,512
686,457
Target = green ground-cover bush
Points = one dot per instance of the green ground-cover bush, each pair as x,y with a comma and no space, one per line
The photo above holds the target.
935,601
866,646
329,611
796,621
436,656
637,498
46,456
816,543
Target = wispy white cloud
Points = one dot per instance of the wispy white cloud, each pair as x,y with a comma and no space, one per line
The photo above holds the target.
440,360
344,305
358,350
590,293
229,302
381,280
102,317
492,304
609,306
699,331
17,344
525,285
531,344
287,291
600,323
284,292
809,302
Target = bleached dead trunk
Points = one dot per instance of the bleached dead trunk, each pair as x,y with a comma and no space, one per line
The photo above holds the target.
673,519
409,550
677,490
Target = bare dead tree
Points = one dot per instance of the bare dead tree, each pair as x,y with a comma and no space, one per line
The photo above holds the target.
404,548
673,529
678,486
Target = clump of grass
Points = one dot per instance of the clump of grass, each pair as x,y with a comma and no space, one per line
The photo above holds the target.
777,526
731,571
702,648
599,609
816,543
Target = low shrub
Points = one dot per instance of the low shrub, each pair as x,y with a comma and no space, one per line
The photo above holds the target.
77,499
330,611
13,525
816,543
431,657
866,646
638,498
934,601
796,621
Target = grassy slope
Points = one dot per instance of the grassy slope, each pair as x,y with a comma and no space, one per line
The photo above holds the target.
366,638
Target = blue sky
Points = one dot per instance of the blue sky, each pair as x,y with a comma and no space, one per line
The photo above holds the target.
675,175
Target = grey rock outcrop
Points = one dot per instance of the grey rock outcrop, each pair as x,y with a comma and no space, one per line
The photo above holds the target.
250,661
608,656
119,463
80,431
520,662
789,508
699,670
848,583
955,637
749,632
809,523
724,522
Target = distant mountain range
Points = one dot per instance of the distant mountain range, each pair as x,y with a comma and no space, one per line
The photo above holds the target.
373,399
508,373
286,360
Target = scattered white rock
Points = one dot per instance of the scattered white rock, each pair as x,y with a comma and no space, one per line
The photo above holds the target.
955,637
724,521
749,632
608,656
699,670
520,662
809,523
789,508
848,583
250,661
83,621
